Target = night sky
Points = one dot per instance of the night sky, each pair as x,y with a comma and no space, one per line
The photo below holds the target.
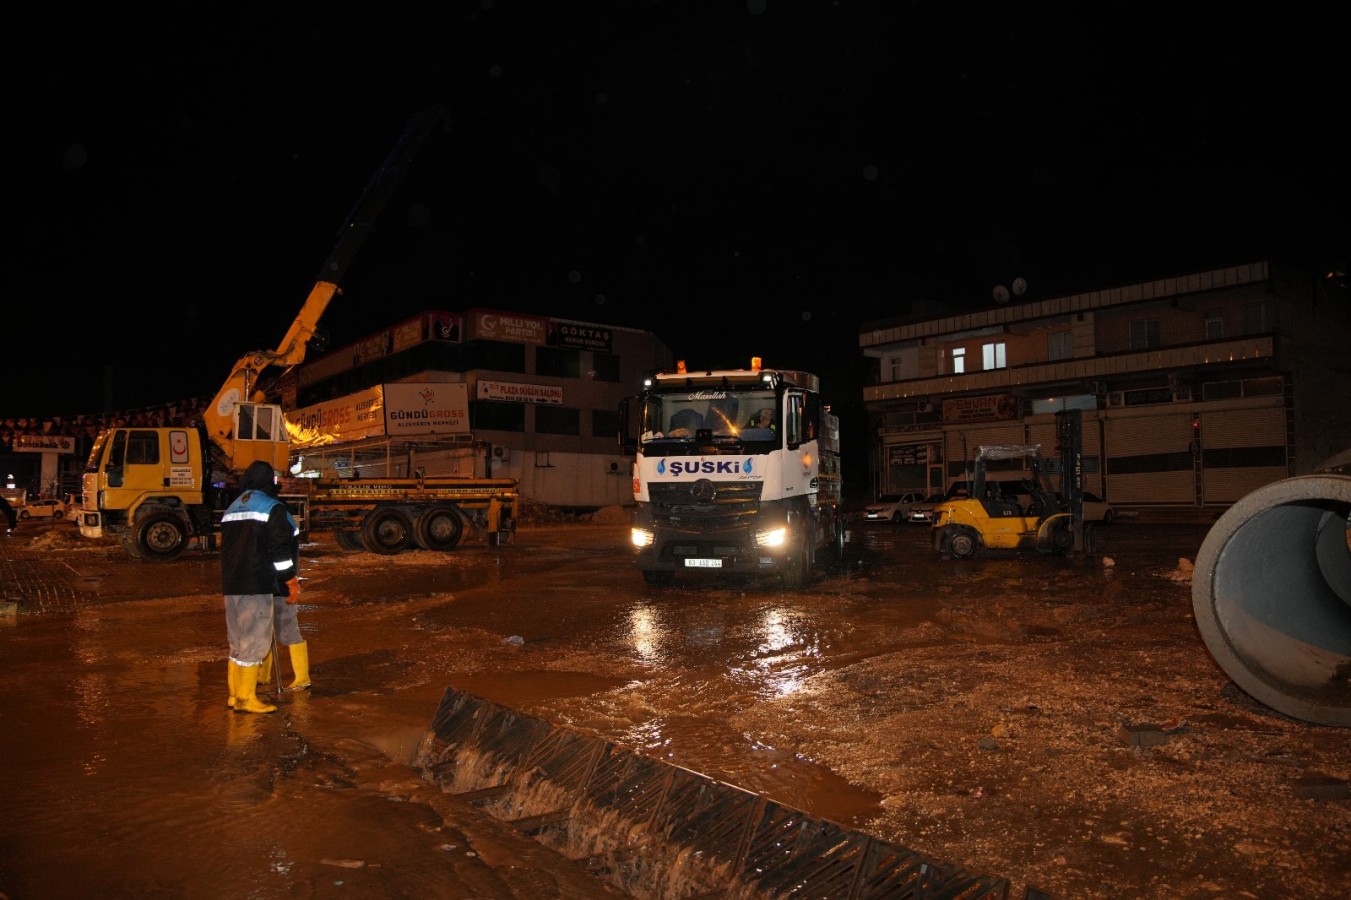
743,178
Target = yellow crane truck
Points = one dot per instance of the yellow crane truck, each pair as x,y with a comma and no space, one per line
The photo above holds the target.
160,489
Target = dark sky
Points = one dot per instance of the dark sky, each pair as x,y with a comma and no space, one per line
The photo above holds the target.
742,178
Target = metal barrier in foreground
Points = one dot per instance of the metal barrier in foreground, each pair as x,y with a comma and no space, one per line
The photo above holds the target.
655,830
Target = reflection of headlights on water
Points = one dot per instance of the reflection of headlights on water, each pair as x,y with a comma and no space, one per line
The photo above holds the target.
775,537
640,537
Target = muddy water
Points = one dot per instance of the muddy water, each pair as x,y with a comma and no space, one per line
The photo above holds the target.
125,775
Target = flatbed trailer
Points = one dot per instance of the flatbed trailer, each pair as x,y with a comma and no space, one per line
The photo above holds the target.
390,515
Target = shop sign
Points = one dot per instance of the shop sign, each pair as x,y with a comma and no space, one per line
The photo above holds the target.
516,392
994,408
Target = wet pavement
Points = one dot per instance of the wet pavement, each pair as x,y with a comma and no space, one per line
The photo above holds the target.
127,775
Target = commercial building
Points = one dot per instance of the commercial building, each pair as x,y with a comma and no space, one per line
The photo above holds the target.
476,393
1195,390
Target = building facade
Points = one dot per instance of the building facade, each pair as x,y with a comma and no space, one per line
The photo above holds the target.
1195,390
541,398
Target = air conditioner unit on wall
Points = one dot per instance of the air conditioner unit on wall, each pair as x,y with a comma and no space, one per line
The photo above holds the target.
1115,399
925,407
1182,393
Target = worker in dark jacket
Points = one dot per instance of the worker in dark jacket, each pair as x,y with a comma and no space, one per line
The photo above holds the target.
260,559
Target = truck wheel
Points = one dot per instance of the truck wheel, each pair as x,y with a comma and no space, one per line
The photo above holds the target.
963,544
658,578
799,563
348,540
438,528
386,531
159,537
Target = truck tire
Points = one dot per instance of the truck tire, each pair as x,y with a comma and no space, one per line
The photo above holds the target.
963,543
797,567
349,540
159,537
387,531
438,528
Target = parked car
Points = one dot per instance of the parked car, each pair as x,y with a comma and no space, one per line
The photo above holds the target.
922,513
42,509
1096,509
892,507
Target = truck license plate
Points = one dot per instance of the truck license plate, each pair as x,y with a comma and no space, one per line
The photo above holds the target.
703,563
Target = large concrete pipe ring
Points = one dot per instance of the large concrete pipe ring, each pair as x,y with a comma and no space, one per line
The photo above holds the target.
1271,591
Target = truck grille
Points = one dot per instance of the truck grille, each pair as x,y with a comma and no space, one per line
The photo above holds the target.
705,505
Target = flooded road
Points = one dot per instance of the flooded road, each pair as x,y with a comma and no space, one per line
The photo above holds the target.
880,698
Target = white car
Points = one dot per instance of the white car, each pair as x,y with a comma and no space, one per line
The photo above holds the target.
42,509
922,513
1096,509
892,507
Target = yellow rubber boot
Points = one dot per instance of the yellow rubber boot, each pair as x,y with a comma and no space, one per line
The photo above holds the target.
246,692
300,663
265,669
233,679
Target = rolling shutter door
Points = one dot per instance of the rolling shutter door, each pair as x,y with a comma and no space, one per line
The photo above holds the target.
1148,458
1242,450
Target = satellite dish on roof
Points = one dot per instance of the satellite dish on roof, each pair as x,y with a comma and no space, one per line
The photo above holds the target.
1019,286
1001,294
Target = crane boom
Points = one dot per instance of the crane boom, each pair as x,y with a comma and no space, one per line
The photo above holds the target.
241,427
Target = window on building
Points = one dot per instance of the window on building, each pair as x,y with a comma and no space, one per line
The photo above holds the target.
558,361
1258,318
497,356
1214,325
604,423
1059,345
606,366
958,360
895,365
1144,334
993,356
558,420
493,415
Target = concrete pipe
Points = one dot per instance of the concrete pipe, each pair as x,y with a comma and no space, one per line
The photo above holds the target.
1271,591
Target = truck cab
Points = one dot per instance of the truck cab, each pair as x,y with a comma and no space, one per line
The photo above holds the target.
736,471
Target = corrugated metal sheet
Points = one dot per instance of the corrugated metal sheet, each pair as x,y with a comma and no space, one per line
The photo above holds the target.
1152,487
1244,428
1141,435
1232,485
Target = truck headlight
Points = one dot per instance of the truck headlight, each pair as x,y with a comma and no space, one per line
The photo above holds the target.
641,537
775,537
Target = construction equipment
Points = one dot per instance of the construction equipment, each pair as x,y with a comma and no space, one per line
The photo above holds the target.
720,491
1032,518
159,488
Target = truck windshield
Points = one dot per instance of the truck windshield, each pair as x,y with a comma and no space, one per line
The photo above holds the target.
742,415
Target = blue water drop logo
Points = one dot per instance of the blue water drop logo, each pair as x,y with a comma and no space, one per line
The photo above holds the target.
749,464
661,467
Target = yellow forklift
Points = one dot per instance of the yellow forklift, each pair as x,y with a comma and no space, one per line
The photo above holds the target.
1032,519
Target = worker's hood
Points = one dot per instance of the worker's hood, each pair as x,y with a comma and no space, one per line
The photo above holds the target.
259,476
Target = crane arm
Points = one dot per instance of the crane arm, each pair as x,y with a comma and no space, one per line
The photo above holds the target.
242,384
